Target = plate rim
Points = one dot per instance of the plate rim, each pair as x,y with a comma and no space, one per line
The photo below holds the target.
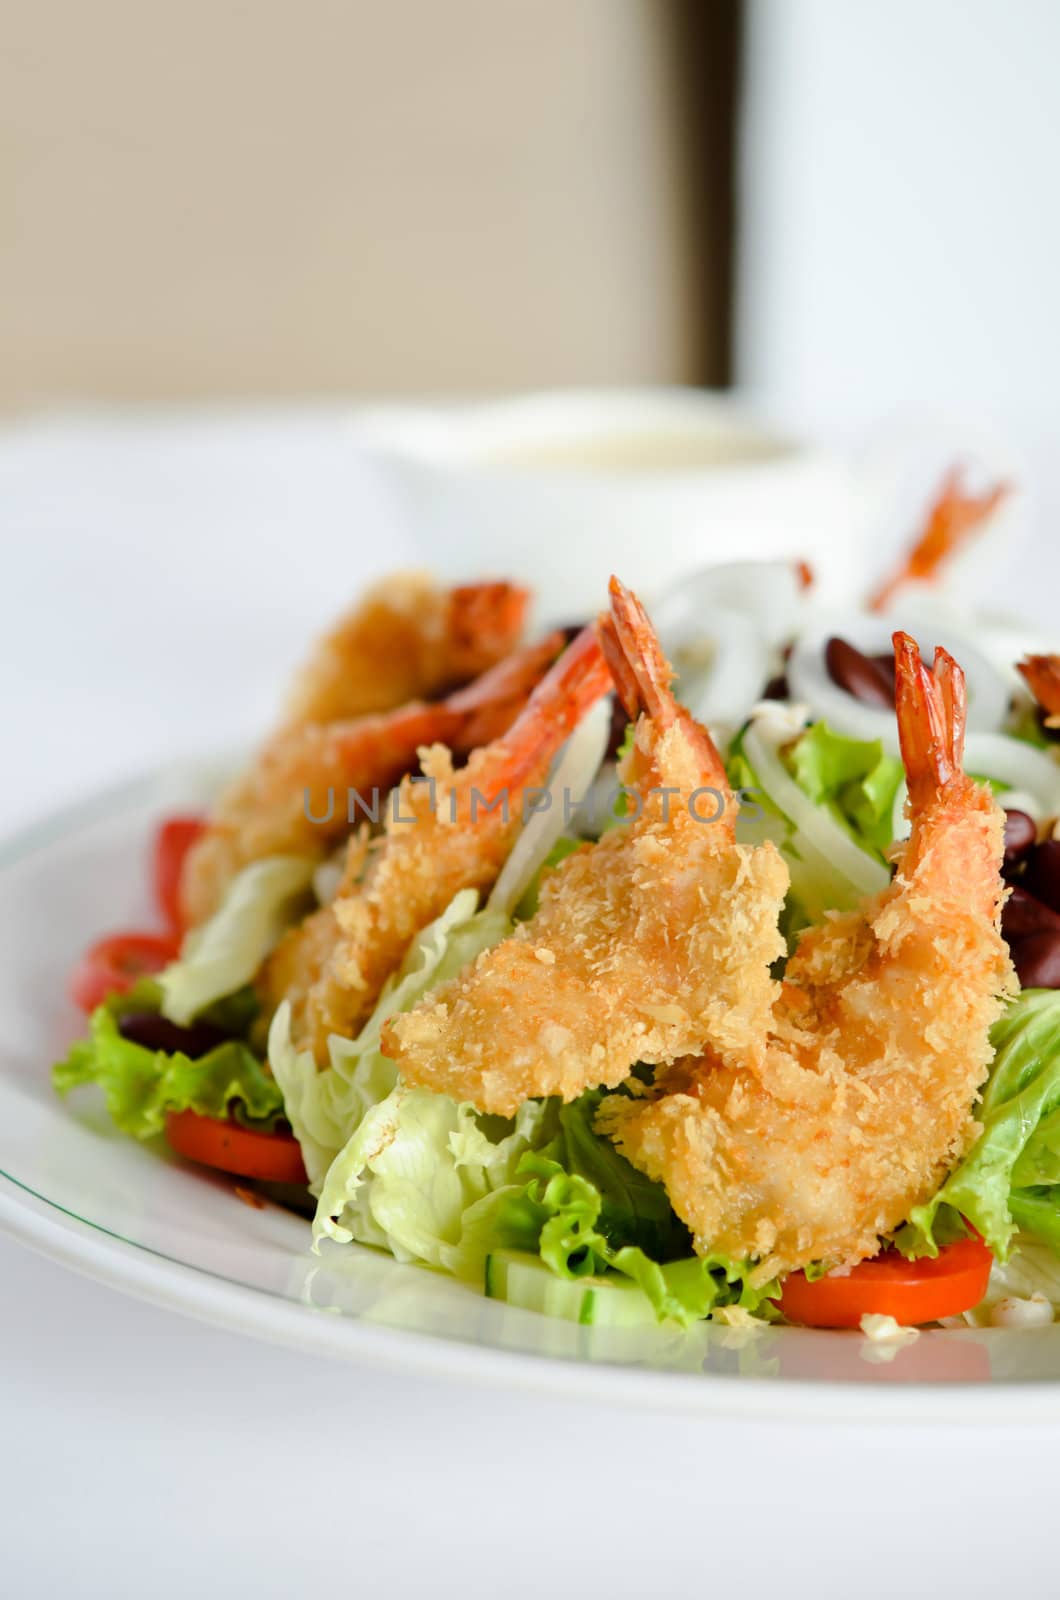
94,1251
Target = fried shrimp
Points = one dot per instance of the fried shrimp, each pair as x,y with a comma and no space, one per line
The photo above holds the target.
294,798
449,830
858,1098
645,945
407,640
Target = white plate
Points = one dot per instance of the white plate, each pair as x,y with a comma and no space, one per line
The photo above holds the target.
135,1217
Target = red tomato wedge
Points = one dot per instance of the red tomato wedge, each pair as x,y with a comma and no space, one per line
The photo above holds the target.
246,1152
909,1291
112,965
173,840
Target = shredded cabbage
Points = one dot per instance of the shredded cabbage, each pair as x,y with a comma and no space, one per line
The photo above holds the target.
326,1108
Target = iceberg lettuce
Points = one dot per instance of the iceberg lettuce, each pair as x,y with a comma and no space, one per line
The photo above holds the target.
226,952
326,1108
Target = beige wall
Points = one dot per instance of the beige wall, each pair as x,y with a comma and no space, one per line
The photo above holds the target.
209,199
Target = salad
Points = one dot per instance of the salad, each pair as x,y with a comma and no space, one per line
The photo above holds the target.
626,997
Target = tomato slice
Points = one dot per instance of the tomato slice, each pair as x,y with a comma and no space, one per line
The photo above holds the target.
173,840
247,1152
112,965
909,1291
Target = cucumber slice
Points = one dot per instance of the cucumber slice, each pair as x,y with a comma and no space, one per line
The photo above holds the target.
523,1280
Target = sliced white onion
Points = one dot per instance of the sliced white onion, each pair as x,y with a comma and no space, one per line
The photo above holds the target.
1001,639
818,832
988,690
768,593
570,783
719,694
1033,772
599,806
1029,804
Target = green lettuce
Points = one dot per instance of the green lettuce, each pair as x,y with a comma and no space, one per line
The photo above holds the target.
1011,1176
140,1085
226,952
586,1211
854,778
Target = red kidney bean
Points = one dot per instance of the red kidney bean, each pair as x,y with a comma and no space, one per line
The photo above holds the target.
859,674
1037,960
1020,835
1023,916
885,662
777,688
157,1033
1041,876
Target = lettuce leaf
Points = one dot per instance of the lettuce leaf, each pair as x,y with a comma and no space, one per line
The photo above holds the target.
422,1176
854,778
226,952
140,1085
1011,1176
587,1212
329,1109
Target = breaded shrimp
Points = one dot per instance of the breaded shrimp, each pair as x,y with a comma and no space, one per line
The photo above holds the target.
407,640
294,798
452,832
645,945
860,1098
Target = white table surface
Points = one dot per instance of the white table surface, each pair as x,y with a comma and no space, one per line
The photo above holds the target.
145,1454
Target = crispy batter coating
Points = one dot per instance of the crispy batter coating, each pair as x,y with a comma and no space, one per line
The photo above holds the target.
293,798
407,639
451,833
858,1098
645,945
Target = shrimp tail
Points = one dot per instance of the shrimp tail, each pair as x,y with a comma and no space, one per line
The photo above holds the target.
932,712
572,686
642,676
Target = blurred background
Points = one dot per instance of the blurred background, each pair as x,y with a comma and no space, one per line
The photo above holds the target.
224,224
218,200
842,204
